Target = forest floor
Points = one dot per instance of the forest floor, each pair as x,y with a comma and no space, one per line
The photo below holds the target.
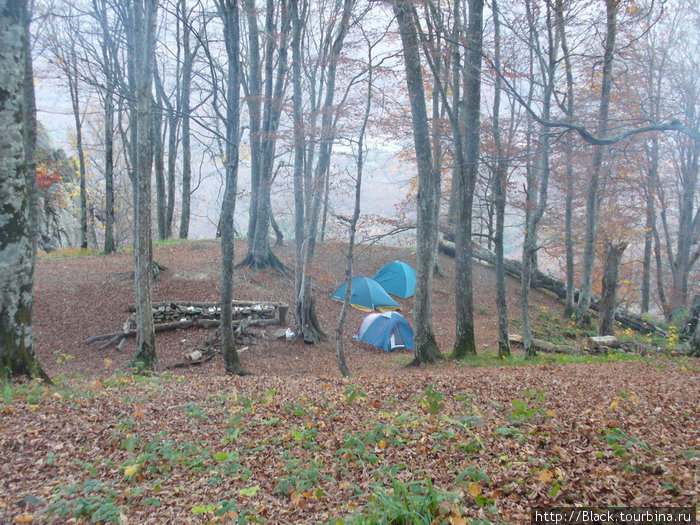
296,443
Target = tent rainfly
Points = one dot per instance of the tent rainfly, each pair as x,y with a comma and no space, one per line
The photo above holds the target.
367,295
388,330
397,278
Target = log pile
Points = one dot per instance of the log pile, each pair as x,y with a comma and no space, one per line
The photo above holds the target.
555,286
180,315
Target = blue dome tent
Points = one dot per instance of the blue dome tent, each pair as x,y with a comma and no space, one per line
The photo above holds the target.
388,330
397,278
367,295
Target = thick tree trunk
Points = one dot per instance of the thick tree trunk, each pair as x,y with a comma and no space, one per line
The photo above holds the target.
228,10
608,299
426,349
17,248
582,313
253,100
259,253
464,338
499,193
145,12
299,206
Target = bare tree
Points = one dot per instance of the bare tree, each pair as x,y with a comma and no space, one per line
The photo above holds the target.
228,11
305,313
426,350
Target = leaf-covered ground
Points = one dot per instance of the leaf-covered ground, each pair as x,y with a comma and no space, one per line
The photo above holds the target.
491,442
295,443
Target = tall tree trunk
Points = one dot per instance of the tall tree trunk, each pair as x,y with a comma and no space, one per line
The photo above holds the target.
107,46
185,111
159,169
259,253
582,310
537,185
305,309
299,201
17,247
426,348
499,192
72,75
608,298
145,12
228,10
253,99
569,152
465,344
652,178
110,242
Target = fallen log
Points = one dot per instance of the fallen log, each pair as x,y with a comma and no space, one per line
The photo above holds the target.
115,337
554,285
546,346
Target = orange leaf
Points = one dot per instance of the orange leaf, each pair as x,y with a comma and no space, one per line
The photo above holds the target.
474,489
25,518
545,476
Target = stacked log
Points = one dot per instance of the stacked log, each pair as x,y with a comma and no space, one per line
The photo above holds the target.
179,315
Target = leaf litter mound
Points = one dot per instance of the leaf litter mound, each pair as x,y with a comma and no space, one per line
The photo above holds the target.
295,443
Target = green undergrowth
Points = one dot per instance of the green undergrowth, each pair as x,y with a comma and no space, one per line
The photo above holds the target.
415,453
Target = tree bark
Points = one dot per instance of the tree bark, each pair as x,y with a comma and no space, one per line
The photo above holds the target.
145,12
582,313
465,344
159,169
499,192
253,100
17,248
188,61
426,348
228,10
608,300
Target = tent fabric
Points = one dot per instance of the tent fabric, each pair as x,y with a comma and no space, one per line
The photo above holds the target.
389,331
367,295
397,278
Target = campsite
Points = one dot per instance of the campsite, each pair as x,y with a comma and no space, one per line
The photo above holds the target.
296,443
349,262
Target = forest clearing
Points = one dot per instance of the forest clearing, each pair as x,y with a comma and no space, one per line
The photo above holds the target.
296,443
385,262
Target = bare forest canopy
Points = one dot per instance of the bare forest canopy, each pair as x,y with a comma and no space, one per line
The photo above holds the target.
565,134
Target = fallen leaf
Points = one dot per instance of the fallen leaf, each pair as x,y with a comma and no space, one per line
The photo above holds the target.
25,518
545,476
474,489
132,470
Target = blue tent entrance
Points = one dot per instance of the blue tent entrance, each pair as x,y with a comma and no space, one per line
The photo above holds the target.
367,294
397,278
388,330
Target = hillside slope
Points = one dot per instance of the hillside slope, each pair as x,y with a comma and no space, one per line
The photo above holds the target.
85,296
